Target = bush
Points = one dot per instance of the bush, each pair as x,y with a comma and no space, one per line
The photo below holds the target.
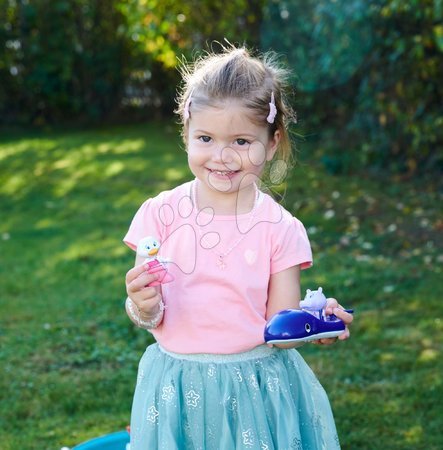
371,72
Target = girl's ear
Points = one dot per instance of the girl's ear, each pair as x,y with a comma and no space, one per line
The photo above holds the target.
273,145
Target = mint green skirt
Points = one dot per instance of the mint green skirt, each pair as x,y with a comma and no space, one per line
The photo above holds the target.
264,399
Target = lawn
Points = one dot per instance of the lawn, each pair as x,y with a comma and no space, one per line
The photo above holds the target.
68,354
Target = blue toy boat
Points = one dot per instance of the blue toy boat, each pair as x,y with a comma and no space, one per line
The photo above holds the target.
295,325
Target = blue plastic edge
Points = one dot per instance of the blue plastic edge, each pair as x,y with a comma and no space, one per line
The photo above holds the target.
120,437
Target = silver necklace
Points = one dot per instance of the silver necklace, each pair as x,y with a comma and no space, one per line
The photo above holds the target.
221,261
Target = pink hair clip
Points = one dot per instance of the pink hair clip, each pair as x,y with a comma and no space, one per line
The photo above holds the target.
272,110
186,113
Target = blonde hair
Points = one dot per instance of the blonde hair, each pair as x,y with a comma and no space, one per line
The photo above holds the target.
235,74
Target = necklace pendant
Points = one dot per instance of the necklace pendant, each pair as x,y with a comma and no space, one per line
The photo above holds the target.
221,263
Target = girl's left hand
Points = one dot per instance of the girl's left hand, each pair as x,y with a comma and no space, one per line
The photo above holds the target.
332,307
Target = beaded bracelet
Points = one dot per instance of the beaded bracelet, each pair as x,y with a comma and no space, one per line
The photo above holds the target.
147,325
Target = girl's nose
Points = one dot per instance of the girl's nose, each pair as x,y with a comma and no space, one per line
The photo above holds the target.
227,156
219,154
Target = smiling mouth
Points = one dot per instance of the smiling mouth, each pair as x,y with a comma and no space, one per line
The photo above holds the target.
225,173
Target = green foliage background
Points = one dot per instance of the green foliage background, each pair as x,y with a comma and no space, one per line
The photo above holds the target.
368,73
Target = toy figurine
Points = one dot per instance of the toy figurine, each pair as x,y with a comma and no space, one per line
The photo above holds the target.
148,248
314,300
307,324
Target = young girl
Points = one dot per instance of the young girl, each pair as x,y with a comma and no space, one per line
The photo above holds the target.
210,382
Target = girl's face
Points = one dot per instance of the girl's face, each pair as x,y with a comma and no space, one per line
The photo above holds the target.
226,150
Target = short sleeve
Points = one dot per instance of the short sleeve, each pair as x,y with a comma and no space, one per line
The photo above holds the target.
291,247
146,222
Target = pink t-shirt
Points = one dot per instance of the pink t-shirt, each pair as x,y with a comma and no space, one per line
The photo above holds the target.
217,305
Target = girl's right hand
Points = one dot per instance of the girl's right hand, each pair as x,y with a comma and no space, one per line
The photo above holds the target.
145,298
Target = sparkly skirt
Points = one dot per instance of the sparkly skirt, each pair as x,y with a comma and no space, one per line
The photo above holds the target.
264,399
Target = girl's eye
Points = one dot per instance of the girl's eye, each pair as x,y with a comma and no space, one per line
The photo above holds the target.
205,138
242,142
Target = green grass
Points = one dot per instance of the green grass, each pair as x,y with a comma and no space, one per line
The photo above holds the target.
68,354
